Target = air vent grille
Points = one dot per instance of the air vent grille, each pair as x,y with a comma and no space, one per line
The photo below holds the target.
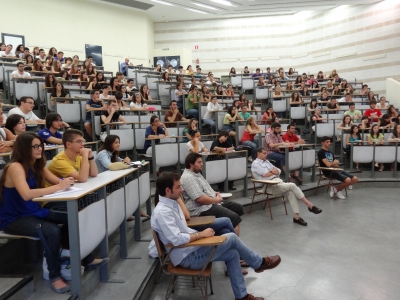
131,3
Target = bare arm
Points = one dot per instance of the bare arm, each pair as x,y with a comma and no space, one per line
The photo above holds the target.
205,200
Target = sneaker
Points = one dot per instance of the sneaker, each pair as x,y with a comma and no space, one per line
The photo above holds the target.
350,187
333,191
300,221
250,159
269,262
315,210
340,195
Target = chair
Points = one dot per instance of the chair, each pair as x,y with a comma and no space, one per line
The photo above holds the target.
268,196
173,272
327,180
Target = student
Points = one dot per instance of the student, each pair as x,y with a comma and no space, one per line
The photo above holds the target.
49,81
377,138
121,104
7,138
382,103
130,87
95,103
24,109
156,130
38,66
23,179
326,159
191,102
231,116
373,113
138,104
58,92
173,114
145,93
20,73
332,106
353,137
105,94
354,114
16,124
187,131
248,138
51,134
243,112
195,145
109,153
100,77
346,123
111,115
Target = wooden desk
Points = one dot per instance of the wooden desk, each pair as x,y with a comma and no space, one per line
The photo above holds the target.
197,221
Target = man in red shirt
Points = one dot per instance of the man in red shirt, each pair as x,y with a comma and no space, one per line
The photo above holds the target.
173,115
373,114
291,137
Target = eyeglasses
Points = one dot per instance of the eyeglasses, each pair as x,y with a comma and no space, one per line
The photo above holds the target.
31,103
37,146
59,120
79,141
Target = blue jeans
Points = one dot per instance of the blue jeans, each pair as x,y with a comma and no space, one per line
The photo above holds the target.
253,145
278,157
220,226
180,106
210,122
230,252
193,112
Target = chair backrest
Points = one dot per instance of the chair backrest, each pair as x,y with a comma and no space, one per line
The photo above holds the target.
166,154
385,154
279,105
261,93
69,113
139,138
162,253
325,129
97,127
247,83
237,80
126,138
297,113
26,89
363,154
237,168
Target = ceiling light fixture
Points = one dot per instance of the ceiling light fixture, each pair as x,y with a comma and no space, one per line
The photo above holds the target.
223,2
198,11
162,2
205,6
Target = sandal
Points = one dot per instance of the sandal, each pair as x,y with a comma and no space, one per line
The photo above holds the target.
298,178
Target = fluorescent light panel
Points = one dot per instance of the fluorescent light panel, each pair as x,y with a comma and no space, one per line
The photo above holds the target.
198,11
223,2
162,2
205,6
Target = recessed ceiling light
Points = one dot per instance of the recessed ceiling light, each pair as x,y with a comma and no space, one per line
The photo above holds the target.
223,2
198,11
205,6
162,2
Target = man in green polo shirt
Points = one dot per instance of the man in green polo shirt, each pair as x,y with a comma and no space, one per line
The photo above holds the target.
354,113
192,100
243,113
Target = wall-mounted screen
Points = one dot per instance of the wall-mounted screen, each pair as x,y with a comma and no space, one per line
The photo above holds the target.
96,52
13,39
164,61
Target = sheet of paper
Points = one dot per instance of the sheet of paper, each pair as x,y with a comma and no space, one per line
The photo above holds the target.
63,192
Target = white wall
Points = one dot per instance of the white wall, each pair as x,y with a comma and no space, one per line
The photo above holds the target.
366,31
70,24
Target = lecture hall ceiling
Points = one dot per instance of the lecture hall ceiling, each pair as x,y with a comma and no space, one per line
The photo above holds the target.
184,10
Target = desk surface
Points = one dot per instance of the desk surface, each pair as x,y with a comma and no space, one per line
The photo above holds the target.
93,184
330,169
265,181
197,221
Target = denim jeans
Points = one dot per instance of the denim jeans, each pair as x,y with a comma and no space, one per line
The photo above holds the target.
53,235
210,122
193,112
253,145
180,106
230,252
278,157
220,226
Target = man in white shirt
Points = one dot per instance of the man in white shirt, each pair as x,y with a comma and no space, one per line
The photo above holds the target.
20,73
130,85
180,70
42,55
7,52
347,98
24,109
90,60
170,224
263,169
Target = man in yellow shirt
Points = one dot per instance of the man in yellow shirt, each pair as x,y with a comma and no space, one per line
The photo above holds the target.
75,161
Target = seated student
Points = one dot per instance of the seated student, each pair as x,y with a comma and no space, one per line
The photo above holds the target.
173,114
58,92
111,115
187,131
395,135
74,70
373,113
16,124
354,113
377,138
248,138
191,102
346,123
138,104
326,159
332,106
105,94
95,103
51,135
24,179
20,73
109,153
130,87
144,91
7,138
365,123
24,109
172,228
121,104
63,75
295,99
56,66
269,115
243,112
68,63
222,142
382,103
125,94
272,141
392,113
93,84
263,169
257,73
114,84
353,137
229,117
346,98
209,117
291,137
156,130
385,122
195,145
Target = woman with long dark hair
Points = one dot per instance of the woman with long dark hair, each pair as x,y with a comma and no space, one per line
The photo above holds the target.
16,124
109,153
353,137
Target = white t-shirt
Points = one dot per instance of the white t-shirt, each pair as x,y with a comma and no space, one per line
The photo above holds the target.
3,53
128,89
29,116
211,109
378,105
24,75
42,59
190,146
136,105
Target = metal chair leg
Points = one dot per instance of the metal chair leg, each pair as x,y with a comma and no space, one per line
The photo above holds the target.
211,288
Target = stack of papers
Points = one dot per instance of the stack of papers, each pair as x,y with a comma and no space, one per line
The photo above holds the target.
63,192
